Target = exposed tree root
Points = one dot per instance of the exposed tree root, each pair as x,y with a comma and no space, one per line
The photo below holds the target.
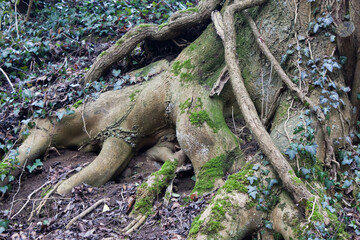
281,165
146,193
178,22
330,154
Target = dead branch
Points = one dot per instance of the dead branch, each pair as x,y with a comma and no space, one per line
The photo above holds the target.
29,198
84,213
7,78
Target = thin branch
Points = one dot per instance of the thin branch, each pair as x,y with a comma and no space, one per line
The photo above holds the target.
29,198
8,79
84,213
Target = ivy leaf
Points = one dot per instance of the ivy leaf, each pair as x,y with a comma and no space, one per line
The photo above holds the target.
325,110
338,196
316,28
343,60
311,149
346,160
332,38
291,153
345,89
256,167
304,75
323,100
305,171
307,53
268,224
115,72
347,183
252,179
253,194
60,115
272,182
4,188
328,183
327,20
4,224
328,66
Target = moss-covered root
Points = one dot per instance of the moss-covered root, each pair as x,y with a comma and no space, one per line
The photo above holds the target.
150,189
114,155
285,217
229,216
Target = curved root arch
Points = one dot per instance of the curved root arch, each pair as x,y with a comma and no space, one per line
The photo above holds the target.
178,22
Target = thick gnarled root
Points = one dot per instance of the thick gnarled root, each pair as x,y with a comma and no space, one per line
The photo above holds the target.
113,157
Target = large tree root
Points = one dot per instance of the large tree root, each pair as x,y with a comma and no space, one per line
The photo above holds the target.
147,112
330,154
281,165
178,22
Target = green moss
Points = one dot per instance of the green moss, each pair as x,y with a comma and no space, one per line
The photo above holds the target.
282,206
195,226
212,170
190,10
147,193
238,181
184,107
250,204
316,215
144,205
163,176
281,112
120,41
103,53
213,227
200,117
179,67
294,178
162,25
145,25
133,95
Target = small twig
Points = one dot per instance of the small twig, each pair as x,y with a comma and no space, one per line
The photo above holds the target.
267,93
16,21
43,201
262,97
287,119
84,213
22,172
29,11
138,224
29,198
312,211
8,79
83,119
233,120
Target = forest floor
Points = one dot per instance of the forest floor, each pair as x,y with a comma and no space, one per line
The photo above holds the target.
109,218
